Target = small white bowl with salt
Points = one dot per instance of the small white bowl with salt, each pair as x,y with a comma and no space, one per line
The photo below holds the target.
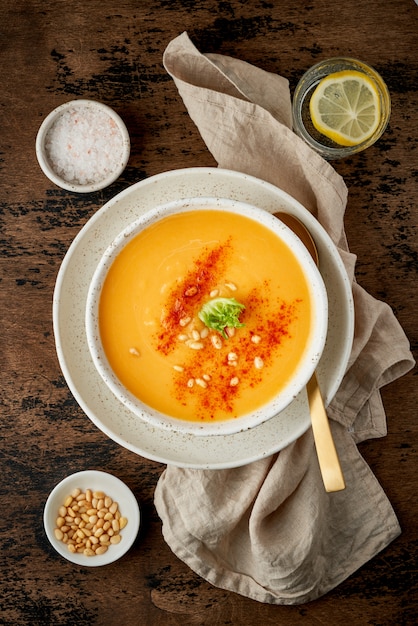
83,146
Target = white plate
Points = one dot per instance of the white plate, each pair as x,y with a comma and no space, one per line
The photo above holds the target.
99,403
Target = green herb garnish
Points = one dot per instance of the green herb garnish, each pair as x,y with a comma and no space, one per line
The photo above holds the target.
221,313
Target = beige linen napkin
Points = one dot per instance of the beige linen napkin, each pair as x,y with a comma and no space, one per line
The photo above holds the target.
269,530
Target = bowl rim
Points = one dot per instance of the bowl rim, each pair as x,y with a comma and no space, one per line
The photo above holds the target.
112,486
313,353
43,159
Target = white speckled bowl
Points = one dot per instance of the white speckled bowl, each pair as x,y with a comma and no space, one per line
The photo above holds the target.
96,131
309,359
111,486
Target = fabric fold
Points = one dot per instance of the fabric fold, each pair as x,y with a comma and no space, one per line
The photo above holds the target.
268,530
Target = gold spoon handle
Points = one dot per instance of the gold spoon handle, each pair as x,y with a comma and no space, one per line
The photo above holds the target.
325,448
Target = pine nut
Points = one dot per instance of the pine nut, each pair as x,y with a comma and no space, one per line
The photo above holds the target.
58,534
214,293
184,321
234,381
231,286
134,352
191,291
206,377
202,383
216,341
204,333
98,494
258,363
182,337
122,522
196,345
256,339
195,335
60,522
101,550
190,383
89,552
178,368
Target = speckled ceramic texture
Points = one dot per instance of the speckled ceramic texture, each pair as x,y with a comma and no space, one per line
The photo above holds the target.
93,395
309,357
111,486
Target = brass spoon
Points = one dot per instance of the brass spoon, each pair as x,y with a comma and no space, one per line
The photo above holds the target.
325,448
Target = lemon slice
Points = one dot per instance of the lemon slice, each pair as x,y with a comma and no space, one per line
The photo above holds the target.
345,107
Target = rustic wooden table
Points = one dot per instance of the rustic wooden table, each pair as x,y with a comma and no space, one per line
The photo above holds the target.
54,51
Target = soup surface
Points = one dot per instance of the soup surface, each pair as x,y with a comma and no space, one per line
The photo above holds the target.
161,350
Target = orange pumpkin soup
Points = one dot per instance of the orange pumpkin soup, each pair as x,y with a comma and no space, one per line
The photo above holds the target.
163,352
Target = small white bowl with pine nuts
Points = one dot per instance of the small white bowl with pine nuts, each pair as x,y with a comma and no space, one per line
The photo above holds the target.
91,518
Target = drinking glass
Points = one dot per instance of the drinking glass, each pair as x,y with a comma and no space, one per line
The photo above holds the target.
302,122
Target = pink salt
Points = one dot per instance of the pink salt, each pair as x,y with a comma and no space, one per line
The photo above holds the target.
84,145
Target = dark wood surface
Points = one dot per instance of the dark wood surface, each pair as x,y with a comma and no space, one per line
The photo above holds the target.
51,52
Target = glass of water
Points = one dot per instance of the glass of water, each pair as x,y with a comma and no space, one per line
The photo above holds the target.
302,120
